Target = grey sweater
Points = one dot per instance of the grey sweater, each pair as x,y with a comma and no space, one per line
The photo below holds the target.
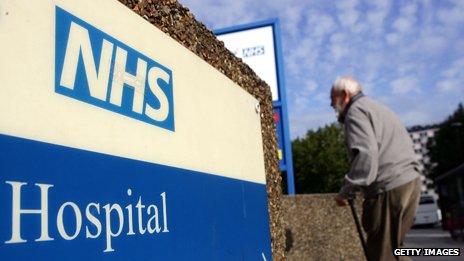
379,148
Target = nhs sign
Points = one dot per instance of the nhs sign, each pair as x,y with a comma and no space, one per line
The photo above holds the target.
93,67
95,165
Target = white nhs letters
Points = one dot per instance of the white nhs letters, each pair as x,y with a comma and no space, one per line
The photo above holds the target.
98,81
93,224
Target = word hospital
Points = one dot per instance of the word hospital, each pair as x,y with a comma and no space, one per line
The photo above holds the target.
113,219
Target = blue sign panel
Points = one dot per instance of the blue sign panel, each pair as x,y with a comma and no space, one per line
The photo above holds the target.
93,67
62,203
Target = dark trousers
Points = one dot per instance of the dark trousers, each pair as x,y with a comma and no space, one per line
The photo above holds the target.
387,217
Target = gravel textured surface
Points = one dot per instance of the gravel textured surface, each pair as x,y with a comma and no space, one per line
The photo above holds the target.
178,22
317,229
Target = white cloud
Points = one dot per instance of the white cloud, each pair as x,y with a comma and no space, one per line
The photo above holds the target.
339,46
371,75
337,38
403,25
213,12
299,102
459,45
409,9
322,97
406,68
452,15
393,38
407,19
302,57
432,44
300,97
404,85
338,51
376,15
428,12
300,125
291,17
456,70
448,85
311,85
319,24
453,77
347,14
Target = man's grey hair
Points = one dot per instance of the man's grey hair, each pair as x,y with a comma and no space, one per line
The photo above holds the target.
347,83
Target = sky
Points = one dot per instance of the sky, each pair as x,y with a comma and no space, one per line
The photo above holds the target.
408,55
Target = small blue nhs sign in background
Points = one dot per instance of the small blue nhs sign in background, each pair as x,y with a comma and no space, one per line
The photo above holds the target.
93,67
258,44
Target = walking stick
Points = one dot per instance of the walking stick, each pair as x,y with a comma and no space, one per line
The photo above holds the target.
358,226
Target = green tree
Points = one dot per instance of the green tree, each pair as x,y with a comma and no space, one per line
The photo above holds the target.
447,149
320,160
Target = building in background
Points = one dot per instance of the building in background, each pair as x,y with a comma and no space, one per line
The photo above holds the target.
421,136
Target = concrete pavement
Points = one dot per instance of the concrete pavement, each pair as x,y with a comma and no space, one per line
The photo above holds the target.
433,237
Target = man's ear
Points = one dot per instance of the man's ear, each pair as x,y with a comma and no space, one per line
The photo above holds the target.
346,96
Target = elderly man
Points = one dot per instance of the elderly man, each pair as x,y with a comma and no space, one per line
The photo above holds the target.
383,167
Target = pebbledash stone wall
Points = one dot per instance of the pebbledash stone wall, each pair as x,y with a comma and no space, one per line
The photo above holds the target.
177,22
317,229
